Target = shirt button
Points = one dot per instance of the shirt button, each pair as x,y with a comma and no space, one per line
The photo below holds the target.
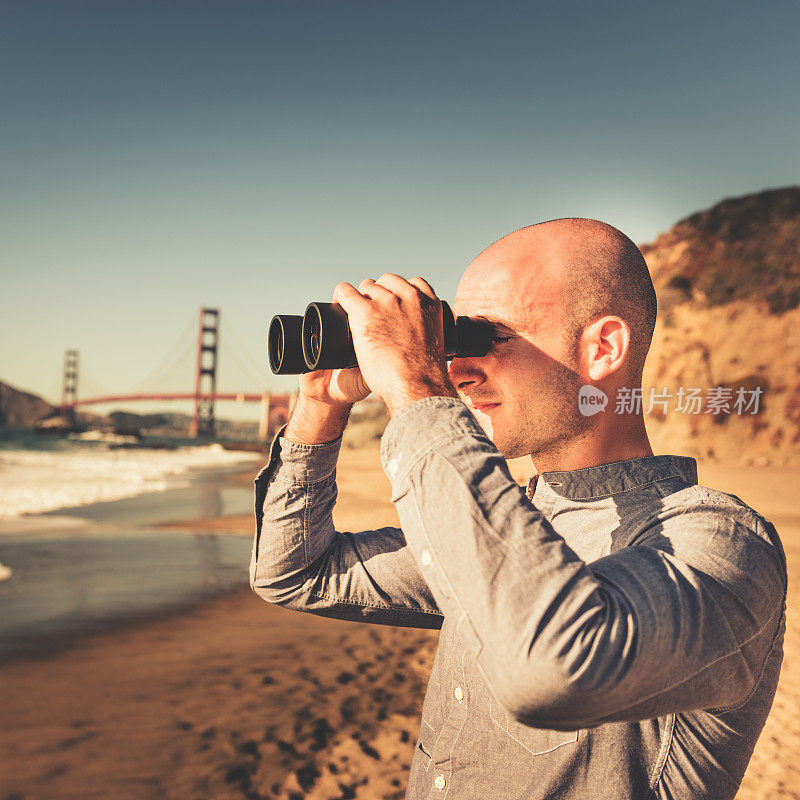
392,467
439,782
459,694
426,558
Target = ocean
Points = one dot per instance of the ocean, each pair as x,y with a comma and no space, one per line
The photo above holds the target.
84,545
40,473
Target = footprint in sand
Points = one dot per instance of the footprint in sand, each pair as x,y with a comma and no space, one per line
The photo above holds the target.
368,750
250,748
307,775
349,708
321,733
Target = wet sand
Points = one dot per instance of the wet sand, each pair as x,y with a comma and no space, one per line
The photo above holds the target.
239,699
61,588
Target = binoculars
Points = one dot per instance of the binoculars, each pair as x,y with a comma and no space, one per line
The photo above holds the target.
321,339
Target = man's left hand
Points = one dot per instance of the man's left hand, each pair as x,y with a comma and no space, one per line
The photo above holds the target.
398,338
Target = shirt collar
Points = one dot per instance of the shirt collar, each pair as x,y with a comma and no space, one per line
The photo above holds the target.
605,480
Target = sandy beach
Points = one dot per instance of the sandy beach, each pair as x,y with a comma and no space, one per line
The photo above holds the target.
234,698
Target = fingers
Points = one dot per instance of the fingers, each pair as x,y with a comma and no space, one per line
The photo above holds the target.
373,290
424,287
385,288
410,291
349,298
399,286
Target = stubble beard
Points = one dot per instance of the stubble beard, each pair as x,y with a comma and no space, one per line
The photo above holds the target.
547,423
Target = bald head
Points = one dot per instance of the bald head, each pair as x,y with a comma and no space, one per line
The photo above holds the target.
565,274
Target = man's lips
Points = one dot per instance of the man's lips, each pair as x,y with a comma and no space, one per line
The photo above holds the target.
483,406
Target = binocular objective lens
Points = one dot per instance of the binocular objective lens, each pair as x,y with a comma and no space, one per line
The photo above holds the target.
314,336
285,352
275,344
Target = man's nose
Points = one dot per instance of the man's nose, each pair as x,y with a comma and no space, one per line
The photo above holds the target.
464,372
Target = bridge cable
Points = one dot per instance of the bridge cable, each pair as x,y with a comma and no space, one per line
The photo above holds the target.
181,367
247,372
256,372
87,380
170,359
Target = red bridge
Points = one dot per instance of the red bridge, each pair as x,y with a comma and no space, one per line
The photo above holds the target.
274,407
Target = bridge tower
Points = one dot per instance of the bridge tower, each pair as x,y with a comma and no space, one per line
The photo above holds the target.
69,387
206,378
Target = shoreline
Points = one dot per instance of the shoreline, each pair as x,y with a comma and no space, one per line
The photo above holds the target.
74,477
141,510
90,571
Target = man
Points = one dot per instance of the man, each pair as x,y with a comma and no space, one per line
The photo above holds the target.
616,633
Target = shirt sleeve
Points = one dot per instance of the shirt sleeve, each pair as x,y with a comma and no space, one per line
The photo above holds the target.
301,562
685,618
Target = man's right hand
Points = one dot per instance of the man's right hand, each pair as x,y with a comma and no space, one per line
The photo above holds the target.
323,405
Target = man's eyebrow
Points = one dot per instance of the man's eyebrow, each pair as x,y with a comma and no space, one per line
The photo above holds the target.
495,322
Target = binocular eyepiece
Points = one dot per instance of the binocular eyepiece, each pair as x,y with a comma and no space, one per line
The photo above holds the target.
321,339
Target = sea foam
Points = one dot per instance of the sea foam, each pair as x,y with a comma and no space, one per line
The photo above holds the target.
33,481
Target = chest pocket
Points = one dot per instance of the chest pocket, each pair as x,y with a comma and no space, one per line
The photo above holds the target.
536,741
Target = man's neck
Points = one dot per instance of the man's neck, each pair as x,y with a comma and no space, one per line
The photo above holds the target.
591,452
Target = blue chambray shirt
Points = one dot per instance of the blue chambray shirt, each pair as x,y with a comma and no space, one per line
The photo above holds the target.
617,634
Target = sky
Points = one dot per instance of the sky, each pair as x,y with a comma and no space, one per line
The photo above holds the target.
156,157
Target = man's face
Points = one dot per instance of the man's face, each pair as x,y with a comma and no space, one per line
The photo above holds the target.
524,392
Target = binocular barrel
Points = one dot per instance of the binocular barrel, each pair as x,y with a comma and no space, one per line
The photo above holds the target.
321,339
285,345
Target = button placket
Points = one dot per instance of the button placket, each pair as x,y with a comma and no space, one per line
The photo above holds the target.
456,711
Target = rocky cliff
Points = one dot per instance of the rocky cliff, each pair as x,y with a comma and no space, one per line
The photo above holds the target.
728,285
20,409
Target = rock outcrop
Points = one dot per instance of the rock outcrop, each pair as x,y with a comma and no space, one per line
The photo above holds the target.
728,285
20,409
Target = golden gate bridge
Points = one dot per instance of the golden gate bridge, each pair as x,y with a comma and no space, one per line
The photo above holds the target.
274,407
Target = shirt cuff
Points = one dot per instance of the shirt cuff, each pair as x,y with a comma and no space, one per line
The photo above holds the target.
300,464
416,429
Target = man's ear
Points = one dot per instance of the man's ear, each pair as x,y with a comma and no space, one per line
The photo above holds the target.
606,343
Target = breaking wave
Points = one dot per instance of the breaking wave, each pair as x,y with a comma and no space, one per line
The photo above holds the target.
35,481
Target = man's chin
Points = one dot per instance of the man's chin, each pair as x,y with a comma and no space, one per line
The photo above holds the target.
485,422
505,446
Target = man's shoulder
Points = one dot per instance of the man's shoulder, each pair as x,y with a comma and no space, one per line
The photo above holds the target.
714,513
